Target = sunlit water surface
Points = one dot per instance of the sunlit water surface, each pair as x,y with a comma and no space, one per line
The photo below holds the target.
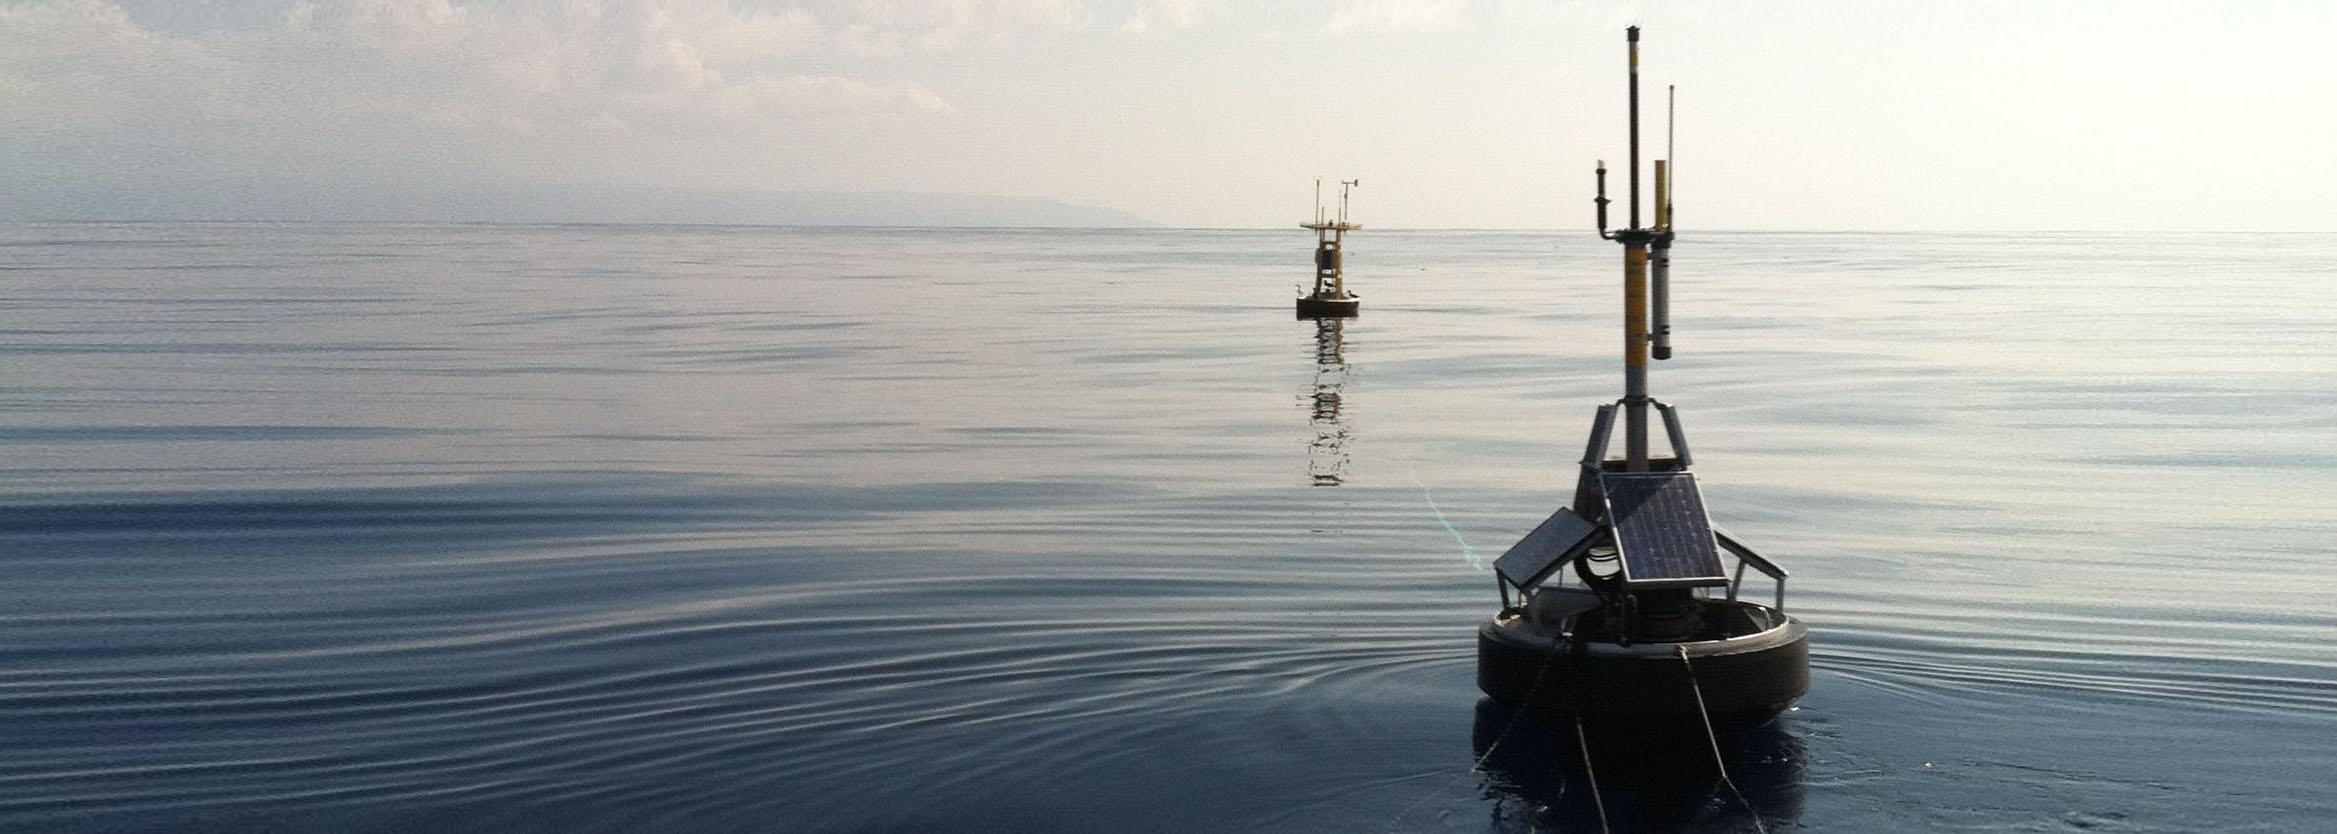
629,528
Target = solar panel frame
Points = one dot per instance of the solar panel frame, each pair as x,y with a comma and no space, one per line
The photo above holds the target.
1543,550
1662,533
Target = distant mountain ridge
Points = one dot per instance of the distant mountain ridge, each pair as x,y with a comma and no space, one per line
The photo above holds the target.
534,203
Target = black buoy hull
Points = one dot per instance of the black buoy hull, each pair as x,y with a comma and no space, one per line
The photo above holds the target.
1745,681
1326,307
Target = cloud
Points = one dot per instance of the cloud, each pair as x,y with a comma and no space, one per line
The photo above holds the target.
646,64
423,72
1547,14
875,29
803,94
1398,16
1155,15
79,63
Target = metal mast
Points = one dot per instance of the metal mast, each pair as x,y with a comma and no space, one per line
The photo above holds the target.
1635,240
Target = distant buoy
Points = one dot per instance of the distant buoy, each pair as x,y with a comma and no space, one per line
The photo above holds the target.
1330,298
1656,635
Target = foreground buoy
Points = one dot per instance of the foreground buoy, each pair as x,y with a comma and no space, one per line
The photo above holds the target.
1655,633
1330,298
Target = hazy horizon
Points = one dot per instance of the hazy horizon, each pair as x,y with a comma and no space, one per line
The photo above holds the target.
1454,114
1140,227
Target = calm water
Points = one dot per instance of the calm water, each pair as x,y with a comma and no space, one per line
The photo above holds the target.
519,529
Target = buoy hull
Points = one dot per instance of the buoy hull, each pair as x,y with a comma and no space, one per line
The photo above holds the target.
1325,307
1745,681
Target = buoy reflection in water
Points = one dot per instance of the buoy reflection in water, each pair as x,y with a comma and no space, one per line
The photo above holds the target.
1326,453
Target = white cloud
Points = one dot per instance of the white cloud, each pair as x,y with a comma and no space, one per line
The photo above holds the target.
79,63
1398,16
1155,15
806,95
392,67
876,29
1547,14
536,64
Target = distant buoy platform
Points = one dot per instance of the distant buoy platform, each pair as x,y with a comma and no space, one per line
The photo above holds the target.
1330,298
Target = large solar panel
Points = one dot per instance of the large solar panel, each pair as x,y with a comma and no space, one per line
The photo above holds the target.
1534,556
1661,530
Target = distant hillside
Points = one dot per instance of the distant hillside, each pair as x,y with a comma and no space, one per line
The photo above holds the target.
529,203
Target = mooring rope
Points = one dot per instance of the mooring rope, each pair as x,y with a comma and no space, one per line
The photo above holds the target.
1475,563
1714,738
1582,740
1516,714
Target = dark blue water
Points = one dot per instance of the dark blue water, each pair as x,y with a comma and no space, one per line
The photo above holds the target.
630,528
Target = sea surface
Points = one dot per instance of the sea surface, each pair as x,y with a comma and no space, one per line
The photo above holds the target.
479,528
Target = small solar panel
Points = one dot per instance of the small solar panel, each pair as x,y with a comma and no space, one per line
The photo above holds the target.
1661,530
1533,556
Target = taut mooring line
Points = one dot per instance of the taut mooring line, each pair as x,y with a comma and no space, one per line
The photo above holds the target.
1515,716
1714,738
1582,742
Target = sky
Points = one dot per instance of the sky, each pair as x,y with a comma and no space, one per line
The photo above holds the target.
1791,114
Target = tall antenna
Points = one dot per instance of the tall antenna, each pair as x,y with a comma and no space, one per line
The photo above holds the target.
1631,36
1635,240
